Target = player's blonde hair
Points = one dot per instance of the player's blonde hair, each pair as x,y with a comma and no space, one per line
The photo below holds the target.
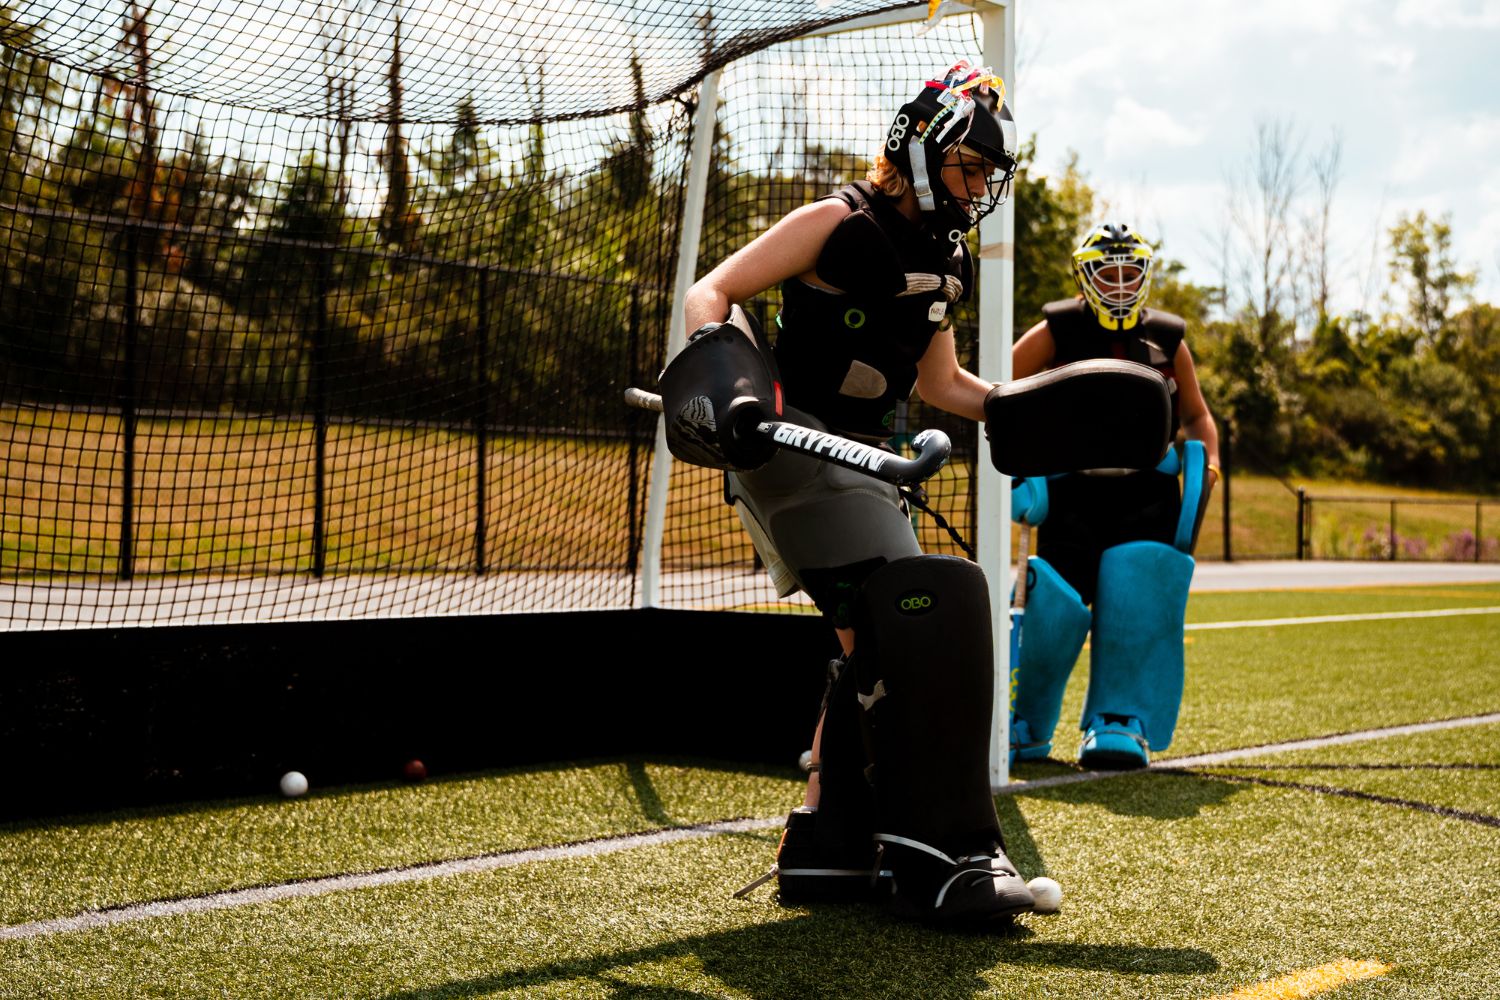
886,178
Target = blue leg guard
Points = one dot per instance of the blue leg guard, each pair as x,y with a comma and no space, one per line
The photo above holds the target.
1135,662
1053,628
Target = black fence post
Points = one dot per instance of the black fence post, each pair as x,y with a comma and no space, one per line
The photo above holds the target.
1392,556
1478,529
1301,523
1226,456
128,409
633,482
481,418
320,413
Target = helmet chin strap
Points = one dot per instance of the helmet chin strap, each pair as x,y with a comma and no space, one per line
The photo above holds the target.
921,184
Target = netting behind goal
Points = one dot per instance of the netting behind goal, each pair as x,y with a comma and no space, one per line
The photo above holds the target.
314,311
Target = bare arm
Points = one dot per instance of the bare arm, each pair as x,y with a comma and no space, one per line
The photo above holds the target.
944,383
787,249
1192,409
1033,352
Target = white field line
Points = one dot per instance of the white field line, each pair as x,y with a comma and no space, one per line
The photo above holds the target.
1373,616
90,919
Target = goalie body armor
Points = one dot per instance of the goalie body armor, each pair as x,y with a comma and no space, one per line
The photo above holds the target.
1136,655
1153,341
714,392
924,672
849,357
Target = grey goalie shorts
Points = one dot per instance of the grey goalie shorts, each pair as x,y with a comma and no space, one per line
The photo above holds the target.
818,527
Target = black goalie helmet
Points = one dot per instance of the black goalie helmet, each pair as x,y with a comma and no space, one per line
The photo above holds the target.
966,111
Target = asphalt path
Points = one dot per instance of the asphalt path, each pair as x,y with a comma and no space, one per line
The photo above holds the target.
1290,574
28,606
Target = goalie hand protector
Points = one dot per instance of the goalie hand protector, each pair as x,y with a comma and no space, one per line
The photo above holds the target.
1071,418
716,390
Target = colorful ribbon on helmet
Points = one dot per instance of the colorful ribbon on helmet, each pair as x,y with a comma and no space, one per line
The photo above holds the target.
955,99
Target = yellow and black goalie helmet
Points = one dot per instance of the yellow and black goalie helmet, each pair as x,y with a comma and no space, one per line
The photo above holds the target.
1113,269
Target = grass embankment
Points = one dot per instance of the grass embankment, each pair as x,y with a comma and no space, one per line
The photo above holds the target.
238,496
1263,515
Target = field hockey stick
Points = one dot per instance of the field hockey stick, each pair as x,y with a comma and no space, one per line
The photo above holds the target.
1018,612
933,446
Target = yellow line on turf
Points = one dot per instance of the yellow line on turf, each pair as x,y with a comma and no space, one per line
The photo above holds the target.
1310,982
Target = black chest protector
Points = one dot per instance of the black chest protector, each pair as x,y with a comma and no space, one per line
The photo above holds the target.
1153,341
848,357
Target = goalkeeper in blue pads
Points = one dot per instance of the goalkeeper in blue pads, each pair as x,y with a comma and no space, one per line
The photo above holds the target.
1114,548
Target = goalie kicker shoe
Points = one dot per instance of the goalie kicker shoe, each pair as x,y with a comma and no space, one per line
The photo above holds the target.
1113,743
934,886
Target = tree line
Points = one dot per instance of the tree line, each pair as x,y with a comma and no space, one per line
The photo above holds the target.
492,281
1404,391
498,279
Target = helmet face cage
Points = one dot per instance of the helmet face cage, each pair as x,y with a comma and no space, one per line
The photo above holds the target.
965,111
997,181
1113,270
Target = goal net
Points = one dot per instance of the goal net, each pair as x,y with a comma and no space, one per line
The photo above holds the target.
326,310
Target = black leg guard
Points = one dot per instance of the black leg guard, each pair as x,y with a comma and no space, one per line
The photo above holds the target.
924,663
828,852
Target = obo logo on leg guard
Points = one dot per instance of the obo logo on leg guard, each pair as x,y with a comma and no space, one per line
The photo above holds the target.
918,602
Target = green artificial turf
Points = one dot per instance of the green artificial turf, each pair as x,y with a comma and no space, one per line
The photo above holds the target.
1455,769
1177,885
63,866
1229,605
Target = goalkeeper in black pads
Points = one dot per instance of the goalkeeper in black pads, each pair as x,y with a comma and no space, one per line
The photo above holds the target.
899,802
1114,552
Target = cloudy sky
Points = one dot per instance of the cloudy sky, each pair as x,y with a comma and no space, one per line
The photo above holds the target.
1161,100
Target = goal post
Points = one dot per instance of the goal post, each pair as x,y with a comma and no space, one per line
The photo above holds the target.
997,269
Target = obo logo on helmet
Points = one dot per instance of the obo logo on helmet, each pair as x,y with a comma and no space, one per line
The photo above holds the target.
898,132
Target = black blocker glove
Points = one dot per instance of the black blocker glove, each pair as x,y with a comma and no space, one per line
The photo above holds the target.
715,392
